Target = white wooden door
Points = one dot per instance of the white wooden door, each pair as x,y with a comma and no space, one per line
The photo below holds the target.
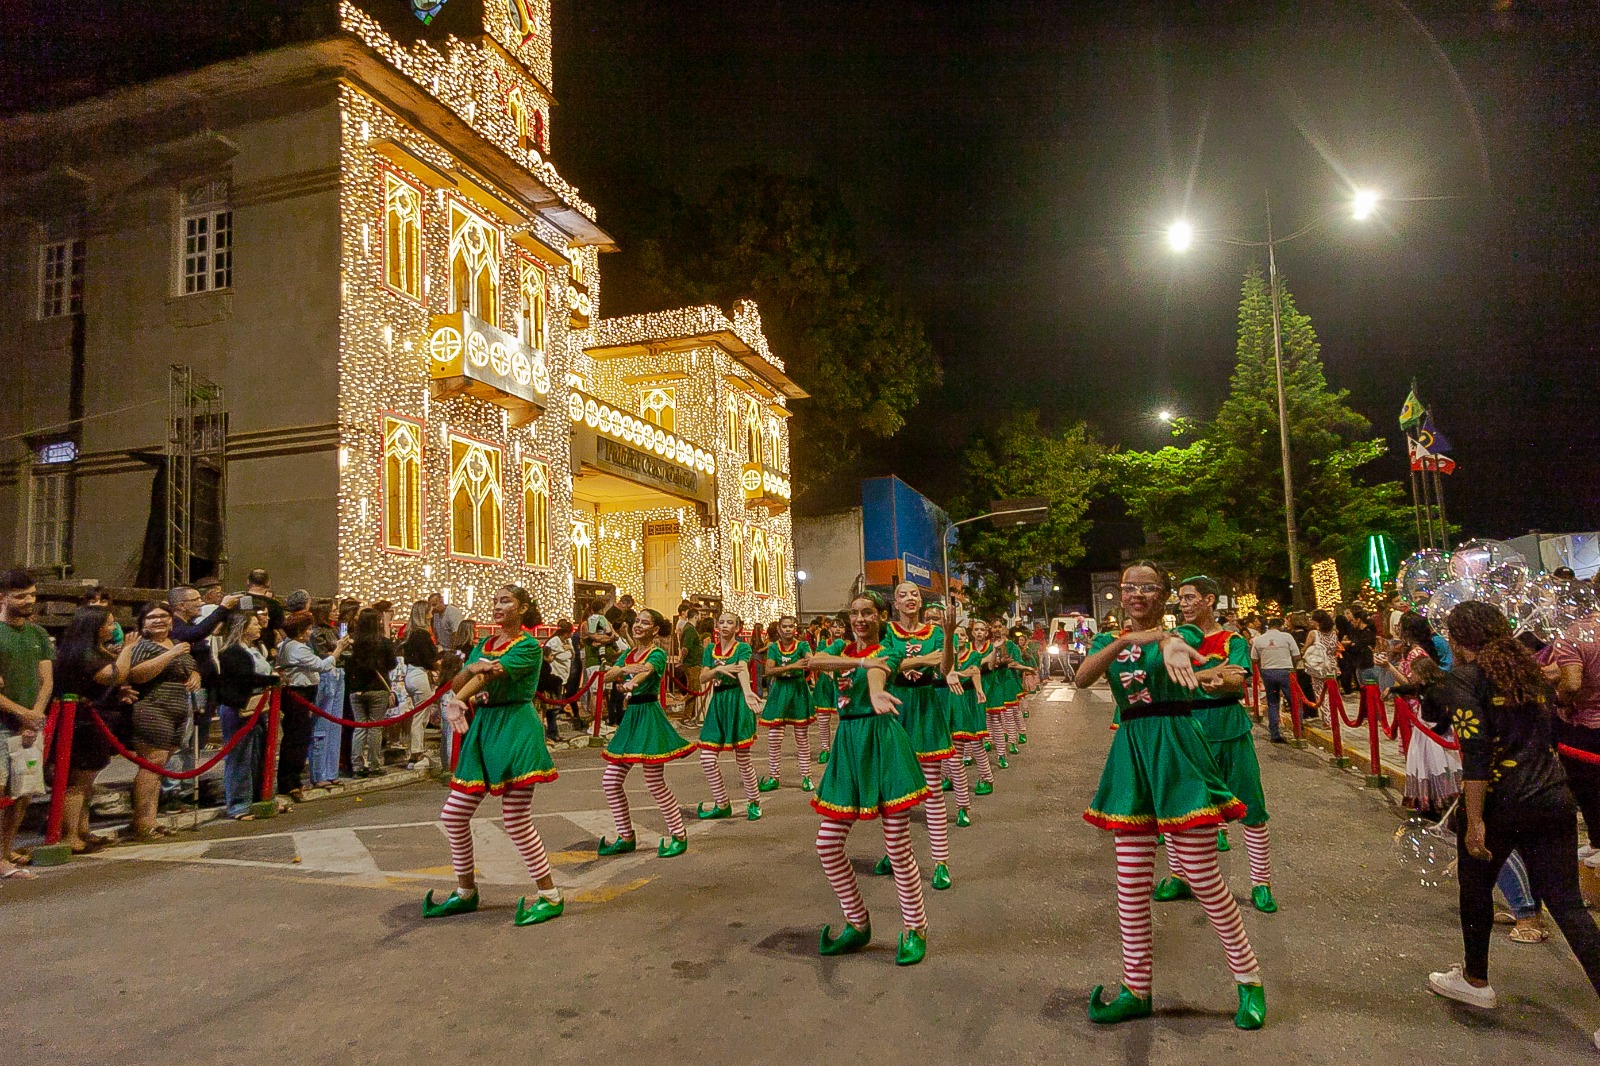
663,586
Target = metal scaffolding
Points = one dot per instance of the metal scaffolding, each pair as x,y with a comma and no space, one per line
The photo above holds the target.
196,476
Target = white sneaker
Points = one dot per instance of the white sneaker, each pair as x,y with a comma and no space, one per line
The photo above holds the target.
1453,984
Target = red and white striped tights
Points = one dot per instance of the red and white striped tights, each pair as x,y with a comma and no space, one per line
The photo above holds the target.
831,835
802,747
973,749
997,730
655,779
1258,846
934,809
1196,852
959,777
517,813
1013,720
747,775
825,729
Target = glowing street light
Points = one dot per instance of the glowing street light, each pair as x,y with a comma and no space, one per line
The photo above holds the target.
1165,416
1180,235
1364,204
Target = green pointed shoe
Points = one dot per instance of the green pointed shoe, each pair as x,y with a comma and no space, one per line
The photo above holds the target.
752,812
1161,839
1012,747
913,948
988,745
619,846
1003,764
849,941
1222,841
883,868
822,757
672,847
963,819
1022,738
1252,1013
541,911
806,785
768,784
941,876
966,760
455,904
983,788
1024,714
1125,1007
705,815
1170,889
947,785
1261,896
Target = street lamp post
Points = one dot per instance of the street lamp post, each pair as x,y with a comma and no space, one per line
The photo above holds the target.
1181,235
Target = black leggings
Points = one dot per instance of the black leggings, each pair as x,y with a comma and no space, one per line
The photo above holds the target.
1550,851
1583,778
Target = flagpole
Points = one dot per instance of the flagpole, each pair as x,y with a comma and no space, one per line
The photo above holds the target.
1416,506
1438,495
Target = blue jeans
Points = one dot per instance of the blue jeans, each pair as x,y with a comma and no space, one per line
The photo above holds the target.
1276,682
242,767
1516,888
326,737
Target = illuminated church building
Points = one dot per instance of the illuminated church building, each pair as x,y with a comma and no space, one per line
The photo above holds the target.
329,308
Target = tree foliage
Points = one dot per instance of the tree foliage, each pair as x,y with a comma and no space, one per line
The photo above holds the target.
1018,457
789,244
1217,504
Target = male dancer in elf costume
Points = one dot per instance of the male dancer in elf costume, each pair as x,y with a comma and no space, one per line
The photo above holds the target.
788,702
1227,729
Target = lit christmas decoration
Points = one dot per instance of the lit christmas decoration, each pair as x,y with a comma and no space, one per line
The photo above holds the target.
1325,584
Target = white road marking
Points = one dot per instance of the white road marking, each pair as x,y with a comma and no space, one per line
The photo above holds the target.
1064,694
334,851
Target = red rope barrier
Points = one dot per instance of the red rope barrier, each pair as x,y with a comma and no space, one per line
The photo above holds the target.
696,693
376,724
1372,709
1568,751
1335,700
1297,702
575,697
269,765
176,775
1406,707
1361,710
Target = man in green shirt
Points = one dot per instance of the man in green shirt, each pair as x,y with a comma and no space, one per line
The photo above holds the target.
26,682
691,651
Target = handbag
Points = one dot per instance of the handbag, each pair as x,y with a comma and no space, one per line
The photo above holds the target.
26,768
1319,663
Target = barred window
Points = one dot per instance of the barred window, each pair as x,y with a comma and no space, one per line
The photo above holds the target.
205,235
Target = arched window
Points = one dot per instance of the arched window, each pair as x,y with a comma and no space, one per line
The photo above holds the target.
535,513
773,441
474,265
760,564
533,325
582,551
660,406
402,485
402,235
734,425
752,430
518,110
736,556
780,568
476,503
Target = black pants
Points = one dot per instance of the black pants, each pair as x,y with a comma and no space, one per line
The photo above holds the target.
1550,851
1583,778
296,741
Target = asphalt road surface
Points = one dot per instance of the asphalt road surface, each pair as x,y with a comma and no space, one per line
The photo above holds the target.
300,940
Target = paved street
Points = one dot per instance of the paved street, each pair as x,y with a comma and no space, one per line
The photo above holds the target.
299,940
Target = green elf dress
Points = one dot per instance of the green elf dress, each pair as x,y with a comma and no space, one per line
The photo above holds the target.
730,725
922,711
1159,776
789,699
994,683
1226,727
645,736
874,770
825,689
1013,681
504,746
968,720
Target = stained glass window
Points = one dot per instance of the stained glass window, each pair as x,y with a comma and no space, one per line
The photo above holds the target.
535,513
476,503
402,485
402,235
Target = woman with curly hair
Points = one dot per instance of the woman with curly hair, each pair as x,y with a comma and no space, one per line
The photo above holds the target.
1515,797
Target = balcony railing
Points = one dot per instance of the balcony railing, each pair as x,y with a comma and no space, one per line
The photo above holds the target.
469,357
765,487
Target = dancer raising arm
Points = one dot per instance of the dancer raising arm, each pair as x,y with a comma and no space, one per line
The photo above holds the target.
1160,777
873,774
502,754
730,722
645,737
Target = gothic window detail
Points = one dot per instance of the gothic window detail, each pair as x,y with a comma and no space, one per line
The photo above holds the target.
732,425
659,405
752,431
736,556
402,485
534,323
476,503
536,513
474,265
760,563
582,551
402,235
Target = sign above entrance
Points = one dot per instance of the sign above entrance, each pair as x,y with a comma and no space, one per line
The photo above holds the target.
630,429
595,453
469,357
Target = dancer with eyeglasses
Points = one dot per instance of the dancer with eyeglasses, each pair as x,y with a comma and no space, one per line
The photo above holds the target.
874,773
1160,777
1226,726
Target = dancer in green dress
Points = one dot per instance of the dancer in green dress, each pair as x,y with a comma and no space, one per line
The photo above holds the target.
968,721
788,703
1227,729
995,678
1016,669
503,754
730,723
873,774
825,689
1160,777
645,738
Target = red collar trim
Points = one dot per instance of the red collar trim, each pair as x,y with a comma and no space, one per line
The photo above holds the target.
490,650
638,654
911,634
790,649
857,651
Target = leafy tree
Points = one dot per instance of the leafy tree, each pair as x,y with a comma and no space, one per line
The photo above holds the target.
789,244
1018,457
1217,503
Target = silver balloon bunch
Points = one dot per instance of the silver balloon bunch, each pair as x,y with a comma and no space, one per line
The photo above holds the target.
1491,571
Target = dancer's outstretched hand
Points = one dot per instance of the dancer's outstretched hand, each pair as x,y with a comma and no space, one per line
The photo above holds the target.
1180,660
883,703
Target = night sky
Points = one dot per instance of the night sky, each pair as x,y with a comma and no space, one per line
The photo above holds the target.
1013,167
